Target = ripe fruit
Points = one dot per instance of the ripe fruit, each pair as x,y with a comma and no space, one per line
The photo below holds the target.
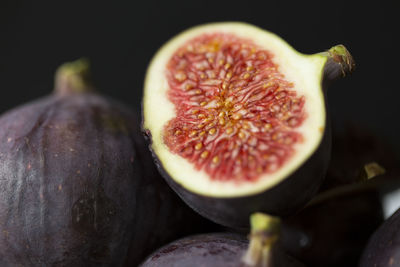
237,120
353,147
74,191
227,249
218,249
383,246
333,229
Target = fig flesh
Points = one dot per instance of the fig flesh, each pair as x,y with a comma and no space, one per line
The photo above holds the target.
226,249
74,190
237,120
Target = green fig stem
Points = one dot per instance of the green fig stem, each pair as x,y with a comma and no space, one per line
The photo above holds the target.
73,77
373,169
265,231
339,63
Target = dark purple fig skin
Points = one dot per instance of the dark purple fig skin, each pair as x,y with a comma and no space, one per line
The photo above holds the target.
164,217
383,247
210,250
75,192
67,182
334,231
353,147
284,199
200,250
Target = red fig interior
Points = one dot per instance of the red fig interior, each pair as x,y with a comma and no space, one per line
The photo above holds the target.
236,113
232,109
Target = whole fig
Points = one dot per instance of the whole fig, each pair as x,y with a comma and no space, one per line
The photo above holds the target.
76,188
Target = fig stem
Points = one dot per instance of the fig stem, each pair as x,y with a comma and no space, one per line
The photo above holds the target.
340,63
373,169
265,231
73,77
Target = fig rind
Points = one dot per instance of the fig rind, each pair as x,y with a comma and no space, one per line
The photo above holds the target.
278,200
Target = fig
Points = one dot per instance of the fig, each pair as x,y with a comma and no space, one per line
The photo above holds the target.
383,246
227,249
75,187
334,228
352,147
237,120
217,249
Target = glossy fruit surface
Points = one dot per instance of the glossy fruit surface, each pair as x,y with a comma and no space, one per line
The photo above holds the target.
383,246
237,120
201,250
354,146
334,228
227,249
74,190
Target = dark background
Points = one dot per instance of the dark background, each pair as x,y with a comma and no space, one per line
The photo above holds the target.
120,37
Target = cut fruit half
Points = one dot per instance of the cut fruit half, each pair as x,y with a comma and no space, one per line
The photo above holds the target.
234,113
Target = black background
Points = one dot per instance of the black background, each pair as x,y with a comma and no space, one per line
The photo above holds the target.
120,37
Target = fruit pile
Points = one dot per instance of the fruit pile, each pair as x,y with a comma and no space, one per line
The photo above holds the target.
237,127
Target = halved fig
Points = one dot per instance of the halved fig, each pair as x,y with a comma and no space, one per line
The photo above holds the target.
237,120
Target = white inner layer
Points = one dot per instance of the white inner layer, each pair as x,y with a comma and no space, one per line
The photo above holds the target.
303,70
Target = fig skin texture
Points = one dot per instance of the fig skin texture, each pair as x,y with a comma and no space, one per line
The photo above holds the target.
383,246
223,250
73,189
292,188
334,228
352,147
218,249
163,217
